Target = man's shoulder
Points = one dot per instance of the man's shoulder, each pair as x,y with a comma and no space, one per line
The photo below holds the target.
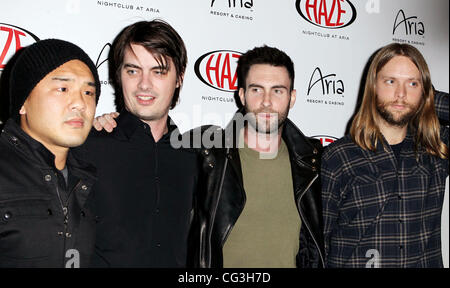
342,146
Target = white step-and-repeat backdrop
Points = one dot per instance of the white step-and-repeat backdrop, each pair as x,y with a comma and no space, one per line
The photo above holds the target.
330,42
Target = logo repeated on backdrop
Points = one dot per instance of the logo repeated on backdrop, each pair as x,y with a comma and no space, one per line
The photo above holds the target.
408,29
232,9
331,14
103,59
12,38
126,6
217,69
325,89
325,140
327,14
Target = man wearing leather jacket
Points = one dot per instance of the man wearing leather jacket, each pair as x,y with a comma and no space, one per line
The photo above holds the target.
262,205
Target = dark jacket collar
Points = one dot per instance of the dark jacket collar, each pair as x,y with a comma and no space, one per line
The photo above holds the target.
39,155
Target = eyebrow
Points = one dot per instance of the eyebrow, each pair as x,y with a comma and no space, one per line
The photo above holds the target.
391,76
69,79
158,67
272,87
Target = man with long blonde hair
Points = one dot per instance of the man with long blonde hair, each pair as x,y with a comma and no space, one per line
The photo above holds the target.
383,185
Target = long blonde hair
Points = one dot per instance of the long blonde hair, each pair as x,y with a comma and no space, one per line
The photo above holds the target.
425,124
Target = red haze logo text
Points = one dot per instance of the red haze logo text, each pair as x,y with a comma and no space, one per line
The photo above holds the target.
12,38
217,69
332,14
325,140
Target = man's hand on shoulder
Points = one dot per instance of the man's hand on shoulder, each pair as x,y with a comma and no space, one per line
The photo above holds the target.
106,121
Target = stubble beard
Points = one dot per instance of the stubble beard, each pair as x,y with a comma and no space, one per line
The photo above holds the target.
271,127
390,118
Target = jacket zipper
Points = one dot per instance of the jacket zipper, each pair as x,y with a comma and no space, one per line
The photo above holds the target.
215,207
305,222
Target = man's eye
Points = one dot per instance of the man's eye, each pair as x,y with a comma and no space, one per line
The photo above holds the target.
90,93
131,72
62,89
414,84
160,72
389,81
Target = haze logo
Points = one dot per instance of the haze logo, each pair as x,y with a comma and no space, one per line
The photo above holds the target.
12,38
332,14
217,69
234,3
410,25
328,83
325,140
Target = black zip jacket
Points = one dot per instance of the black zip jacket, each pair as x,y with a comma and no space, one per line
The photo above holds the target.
223,199
34,231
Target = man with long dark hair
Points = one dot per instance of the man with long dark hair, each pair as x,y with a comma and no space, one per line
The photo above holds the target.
383,185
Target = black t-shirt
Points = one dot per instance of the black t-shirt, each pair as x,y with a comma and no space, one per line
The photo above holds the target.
396,148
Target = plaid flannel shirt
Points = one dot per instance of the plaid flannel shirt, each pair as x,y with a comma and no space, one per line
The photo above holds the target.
380,212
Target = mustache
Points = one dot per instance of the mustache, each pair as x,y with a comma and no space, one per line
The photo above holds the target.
75,115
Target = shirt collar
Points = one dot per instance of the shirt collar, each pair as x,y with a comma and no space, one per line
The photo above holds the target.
129,124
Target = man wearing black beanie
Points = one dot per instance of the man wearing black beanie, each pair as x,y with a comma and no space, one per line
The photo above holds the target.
45,218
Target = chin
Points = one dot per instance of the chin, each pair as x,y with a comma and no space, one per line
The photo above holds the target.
74,141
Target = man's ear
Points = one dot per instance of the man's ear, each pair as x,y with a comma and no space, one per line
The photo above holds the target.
293,98
180,80
22,110
242,95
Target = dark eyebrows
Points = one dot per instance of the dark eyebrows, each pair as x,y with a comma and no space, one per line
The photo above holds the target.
129,65
61,78
279,87
69,79
255,86
158,67
273,87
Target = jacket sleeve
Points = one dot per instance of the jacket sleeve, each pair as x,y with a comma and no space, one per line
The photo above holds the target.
330,198
441,105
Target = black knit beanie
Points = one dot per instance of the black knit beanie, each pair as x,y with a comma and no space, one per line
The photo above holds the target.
38,60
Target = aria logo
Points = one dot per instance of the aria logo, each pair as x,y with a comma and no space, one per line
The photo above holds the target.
325,140
11,40
409,25
234,3
331,14
217,69
328,83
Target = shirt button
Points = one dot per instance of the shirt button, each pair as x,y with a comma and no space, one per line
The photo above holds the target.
68,235
49,212
84,187
158,245
400,220
400,247
7,215
399,197
48,178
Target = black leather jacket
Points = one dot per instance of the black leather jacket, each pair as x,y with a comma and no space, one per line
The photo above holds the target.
223,199
33,232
